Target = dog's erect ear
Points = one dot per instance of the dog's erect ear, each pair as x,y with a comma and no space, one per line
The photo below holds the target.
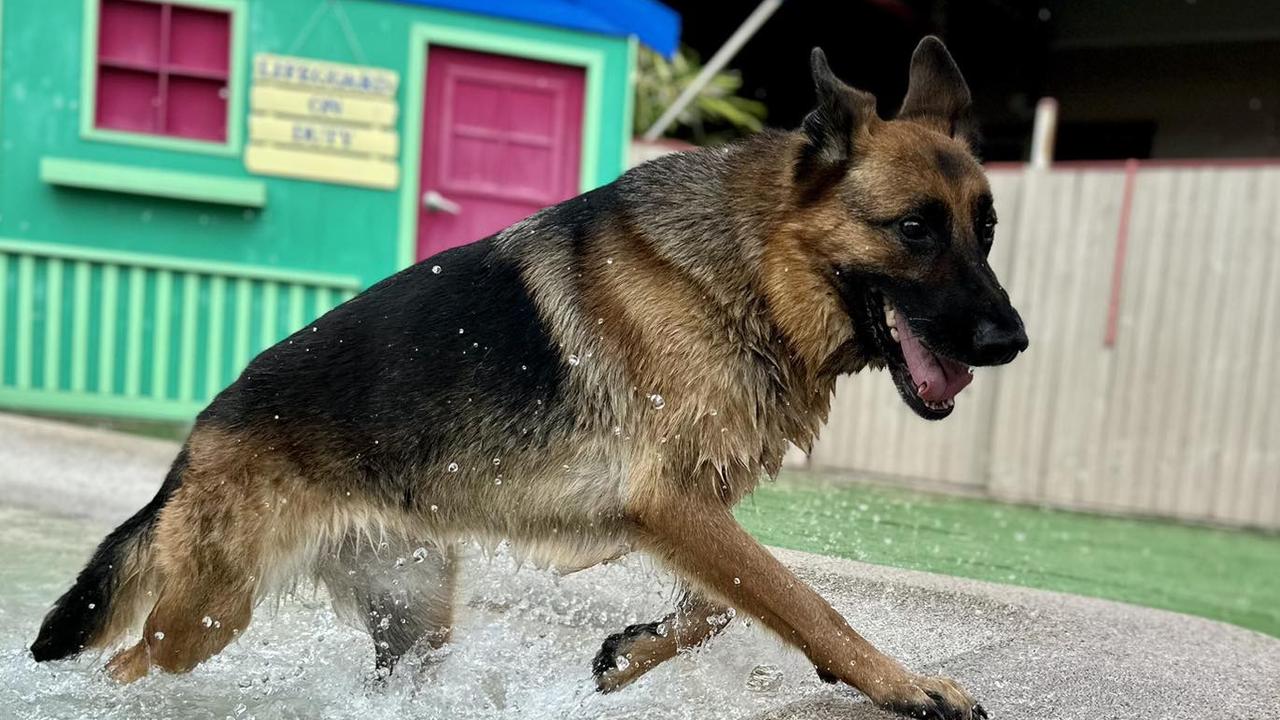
841,112
937,94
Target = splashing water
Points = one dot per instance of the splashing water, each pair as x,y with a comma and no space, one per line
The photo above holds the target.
522,648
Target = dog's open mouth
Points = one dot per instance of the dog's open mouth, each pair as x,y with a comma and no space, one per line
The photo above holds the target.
927,381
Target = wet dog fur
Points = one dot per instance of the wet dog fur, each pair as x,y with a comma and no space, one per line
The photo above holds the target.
610,375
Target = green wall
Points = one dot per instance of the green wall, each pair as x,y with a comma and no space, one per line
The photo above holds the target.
157,331
305,225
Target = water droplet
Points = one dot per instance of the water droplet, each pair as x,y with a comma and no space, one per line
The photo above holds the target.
435,269
622,662
93,605
453,467
277,417
435,508
159,635
737,581
460,331
420,555
497,462
206,621
574,360
657,401
384,623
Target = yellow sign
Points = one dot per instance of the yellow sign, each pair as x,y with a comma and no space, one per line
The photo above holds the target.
328,136
322,167
323,121
326,76
323,105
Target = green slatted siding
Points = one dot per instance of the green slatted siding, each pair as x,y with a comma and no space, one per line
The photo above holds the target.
138,336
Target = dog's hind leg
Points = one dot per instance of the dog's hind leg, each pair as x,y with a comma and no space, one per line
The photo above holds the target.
208,553
627,655
400,591
235,526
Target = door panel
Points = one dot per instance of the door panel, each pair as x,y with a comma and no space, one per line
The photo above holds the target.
501,138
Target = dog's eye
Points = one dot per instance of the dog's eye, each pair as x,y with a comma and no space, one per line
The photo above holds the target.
913,228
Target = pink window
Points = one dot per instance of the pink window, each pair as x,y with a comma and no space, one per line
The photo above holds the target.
163,69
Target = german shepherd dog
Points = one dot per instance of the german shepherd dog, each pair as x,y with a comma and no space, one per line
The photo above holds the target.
610,375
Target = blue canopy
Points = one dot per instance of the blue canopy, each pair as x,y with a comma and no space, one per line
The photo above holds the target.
655,24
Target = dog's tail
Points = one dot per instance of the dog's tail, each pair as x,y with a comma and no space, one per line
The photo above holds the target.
109,593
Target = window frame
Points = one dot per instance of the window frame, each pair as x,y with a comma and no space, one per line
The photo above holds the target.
235,84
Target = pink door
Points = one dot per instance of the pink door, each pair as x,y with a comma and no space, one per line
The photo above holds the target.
501,138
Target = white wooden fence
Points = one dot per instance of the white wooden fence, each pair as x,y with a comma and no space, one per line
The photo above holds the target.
1151,293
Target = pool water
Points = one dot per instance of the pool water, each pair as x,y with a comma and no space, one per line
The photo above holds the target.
523,644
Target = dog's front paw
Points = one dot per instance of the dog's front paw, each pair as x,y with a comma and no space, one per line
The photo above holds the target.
917,696
624,656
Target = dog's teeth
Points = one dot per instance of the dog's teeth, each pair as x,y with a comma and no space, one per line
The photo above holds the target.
893,332
948,403
890,318
920,389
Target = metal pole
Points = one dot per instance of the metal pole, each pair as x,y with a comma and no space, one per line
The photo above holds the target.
1044,131
722,57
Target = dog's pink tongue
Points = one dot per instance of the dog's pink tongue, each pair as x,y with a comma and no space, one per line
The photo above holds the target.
936,378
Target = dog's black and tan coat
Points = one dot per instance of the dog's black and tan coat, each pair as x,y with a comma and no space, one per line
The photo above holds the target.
611,375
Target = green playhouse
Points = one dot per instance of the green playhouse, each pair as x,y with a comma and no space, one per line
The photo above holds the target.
184,183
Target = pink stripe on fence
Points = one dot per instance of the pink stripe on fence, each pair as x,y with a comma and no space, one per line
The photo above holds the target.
1122,248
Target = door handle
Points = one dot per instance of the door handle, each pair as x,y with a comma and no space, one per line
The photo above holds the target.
433,201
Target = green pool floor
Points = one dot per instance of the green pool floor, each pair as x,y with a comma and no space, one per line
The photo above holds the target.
1221,574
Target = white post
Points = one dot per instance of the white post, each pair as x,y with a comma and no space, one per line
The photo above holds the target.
713,66
1044,132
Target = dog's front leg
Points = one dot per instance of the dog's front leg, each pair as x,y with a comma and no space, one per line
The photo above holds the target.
627,655
701,541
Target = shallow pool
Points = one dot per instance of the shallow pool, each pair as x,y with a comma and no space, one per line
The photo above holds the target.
522,648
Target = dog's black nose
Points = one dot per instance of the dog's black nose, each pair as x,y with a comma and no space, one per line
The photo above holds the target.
999,343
